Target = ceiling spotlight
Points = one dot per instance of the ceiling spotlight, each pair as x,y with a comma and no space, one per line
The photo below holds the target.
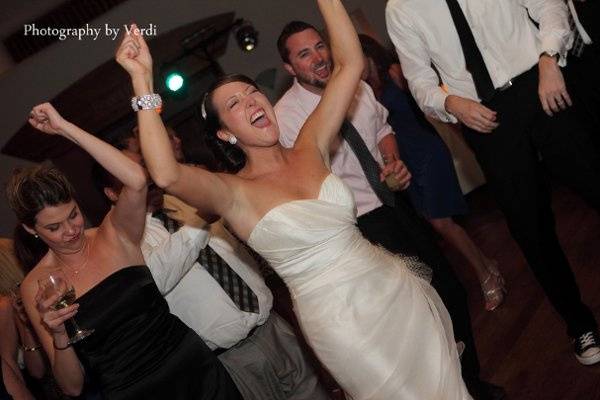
247,37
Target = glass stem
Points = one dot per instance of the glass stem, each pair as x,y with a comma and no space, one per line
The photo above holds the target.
75,326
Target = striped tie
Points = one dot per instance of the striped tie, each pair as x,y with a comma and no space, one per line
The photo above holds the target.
169,223
230,281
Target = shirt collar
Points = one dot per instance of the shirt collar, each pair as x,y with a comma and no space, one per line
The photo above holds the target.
306,97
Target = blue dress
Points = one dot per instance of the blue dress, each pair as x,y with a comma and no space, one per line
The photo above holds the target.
434,189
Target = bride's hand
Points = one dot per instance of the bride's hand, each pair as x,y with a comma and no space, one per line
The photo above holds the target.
133,54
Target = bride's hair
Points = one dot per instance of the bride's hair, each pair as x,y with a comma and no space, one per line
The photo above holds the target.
231,156
29,191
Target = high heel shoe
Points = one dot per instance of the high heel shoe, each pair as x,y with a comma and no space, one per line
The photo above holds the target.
493,291
493,287
492,267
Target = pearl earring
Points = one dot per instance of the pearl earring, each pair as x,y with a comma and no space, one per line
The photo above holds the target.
36,235
232,139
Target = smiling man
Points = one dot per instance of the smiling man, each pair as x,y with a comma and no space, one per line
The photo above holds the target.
311,63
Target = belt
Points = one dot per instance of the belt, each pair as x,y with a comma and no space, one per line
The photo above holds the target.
513,80
507,85
220,350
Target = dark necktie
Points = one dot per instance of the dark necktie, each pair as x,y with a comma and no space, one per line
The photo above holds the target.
169,223
368,163
230,281
473,58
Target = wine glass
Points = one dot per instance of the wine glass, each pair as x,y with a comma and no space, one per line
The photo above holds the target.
57,284
392,182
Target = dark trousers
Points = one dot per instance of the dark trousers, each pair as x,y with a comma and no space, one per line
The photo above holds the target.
583,83
401,230
509,157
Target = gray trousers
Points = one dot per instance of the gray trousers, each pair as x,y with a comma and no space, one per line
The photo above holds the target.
270,365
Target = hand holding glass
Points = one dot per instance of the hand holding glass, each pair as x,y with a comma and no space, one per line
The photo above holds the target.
57,285
390,179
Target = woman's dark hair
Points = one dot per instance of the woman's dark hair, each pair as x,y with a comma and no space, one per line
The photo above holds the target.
28,249
379,54
29,191
231,156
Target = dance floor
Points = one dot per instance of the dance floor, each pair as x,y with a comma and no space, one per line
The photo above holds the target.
522,344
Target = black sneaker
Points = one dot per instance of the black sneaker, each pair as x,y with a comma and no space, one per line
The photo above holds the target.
587,348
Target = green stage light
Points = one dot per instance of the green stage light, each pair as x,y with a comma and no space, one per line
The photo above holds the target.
174,81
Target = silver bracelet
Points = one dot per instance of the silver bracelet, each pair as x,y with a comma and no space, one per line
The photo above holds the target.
146,102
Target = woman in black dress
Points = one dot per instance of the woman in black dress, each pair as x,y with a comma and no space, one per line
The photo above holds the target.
138,350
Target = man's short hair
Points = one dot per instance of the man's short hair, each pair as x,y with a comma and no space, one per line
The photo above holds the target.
120,139
103,179
288,30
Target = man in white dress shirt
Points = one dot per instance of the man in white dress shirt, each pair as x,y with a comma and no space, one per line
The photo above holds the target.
258,348
505,85
396,226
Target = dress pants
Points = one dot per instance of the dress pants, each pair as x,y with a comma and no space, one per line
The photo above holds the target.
583,82
582,72
402,230
510,159
271,365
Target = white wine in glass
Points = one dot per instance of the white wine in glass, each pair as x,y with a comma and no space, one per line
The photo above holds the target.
392,182
56,284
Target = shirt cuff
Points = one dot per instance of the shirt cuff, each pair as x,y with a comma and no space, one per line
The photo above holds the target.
200,235
439,110
554,44
384,131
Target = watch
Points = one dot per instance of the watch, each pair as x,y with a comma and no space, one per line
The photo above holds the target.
550,53
146,102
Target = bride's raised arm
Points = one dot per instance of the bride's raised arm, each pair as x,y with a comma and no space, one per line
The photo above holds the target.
324,123
209,193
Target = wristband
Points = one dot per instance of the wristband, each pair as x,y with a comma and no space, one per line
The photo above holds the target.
551,54
146,102
60,348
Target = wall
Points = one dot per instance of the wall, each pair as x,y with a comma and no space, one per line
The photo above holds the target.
47,73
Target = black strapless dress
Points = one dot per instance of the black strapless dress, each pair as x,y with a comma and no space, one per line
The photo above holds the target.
141,351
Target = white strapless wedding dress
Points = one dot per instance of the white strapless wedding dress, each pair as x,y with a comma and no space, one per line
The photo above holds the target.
380,329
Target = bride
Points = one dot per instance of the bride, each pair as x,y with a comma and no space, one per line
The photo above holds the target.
379,328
